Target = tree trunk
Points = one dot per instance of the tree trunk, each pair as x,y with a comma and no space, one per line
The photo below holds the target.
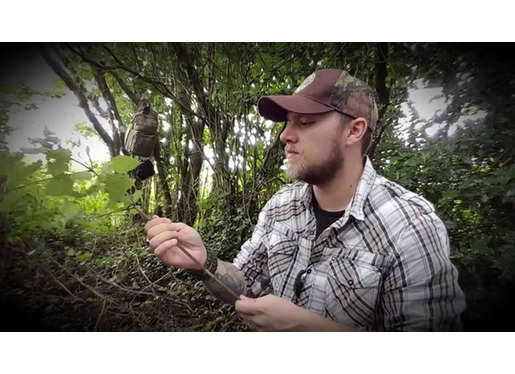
383,94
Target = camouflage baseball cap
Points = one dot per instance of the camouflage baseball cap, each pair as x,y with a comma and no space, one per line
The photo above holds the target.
323,91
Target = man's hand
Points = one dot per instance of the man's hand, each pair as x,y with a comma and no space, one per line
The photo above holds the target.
269,313
272,313
163,236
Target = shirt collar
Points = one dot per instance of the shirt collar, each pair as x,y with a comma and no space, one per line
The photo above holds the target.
366,182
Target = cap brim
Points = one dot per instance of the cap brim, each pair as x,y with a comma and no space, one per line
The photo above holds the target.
276,108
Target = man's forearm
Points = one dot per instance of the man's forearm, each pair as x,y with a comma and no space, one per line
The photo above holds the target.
230,276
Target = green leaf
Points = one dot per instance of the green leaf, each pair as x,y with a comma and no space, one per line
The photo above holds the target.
25,171
117,186
70,209
58,161
84,257
480,246
61,185
413,161
82,175
19,173
60,155
137,195
57,168
124,164
107,168
10,201
118,202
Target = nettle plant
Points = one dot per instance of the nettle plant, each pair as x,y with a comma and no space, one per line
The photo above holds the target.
39,199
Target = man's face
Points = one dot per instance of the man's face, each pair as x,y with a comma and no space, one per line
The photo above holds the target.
314,146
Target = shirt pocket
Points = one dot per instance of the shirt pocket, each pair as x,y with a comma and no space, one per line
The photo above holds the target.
352,288
283,246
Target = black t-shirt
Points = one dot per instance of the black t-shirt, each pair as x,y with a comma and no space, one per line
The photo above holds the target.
325,218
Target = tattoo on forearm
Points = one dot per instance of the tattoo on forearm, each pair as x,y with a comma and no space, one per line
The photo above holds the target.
229,275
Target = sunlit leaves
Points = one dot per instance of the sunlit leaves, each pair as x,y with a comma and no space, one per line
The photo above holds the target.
48,197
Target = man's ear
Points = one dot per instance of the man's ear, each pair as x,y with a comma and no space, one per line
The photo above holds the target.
357,129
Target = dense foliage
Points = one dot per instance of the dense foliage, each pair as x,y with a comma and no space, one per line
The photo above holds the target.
71,238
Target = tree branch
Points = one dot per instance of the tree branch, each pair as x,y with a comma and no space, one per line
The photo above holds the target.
132,95
114,114
51,59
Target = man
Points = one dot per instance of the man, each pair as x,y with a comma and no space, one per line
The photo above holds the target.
344,249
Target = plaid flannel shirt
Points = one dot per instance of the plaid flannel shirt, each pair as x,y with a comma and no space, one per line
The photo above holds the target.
384,265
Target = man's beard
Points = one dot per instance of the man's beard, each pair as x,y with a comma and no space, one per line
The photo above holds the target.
318,174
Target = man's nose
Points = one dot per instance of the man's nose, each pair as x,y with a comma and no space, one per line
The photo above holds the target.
288,135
